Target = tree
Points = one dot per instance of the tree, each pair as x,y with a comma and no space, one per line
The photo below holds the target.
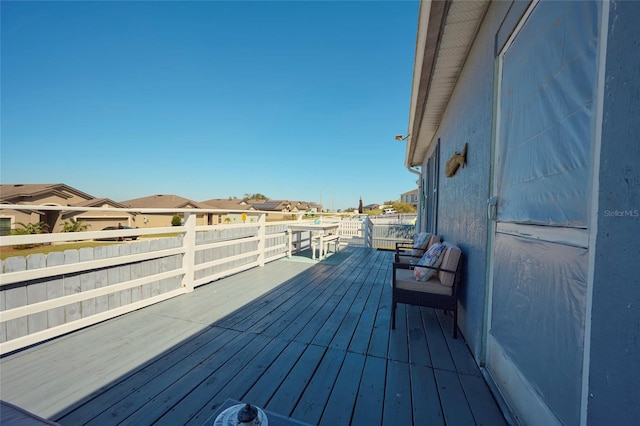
257,196
402,207
73,225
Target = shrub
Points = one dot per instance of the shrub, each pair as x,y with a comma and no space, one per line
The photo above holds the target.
176,220
73,225
27,229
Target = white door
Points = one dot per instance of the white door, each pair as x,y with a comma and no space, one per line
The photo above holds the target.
542,169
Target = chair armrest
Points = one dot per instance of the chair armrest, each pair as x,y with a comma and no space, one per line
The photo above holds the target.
409,256
398,265
404,245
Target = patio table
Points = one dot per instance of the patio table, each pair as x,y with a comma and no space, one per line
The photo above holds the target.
322,229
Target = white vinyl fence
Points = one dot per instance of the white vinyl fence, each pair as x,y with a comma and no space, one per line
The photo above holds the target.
46,295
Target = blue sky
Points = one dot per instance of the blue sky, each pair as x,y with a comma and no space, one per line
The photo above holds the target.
294,100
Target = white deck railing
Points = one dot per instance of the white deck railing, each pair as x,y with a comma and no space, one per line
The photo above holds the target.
46,295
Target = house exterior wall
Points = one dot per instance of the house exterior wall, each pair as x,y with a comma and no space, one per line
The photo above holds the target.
462,203
410,197
612,361
49,200
56,219
20,217
159,220
615,315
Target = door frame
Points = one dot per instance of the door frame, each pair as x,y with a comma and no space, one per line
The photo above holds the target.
507,375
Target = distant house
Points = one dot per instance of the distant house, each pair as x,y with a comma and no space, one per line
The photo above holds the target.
285,208
411,197
282,206
57,194
373,206
166,201
546,207
231,216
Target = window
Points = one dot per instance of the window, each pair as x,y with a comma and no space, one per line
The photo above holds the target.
430,188
5,226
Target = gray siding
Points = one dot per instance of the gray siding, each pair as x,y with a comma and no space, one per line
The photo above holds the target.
615,321
462,206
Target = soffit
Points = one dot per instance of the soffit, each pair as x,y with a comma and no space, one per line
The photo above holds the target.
449,31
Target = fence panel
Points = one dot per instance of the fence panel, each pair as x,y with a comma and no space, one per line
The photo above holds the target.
44,296
386,236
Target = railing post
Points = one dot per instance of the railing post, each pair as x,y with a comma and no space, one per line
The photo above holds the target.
262,233
189,260
368,232
289,239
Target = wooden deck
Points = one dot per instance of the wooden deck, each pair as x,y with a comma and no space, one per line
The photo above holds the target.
307,340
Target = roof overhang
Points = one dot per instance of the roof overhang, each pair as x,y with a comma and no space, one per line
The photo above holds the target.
446,31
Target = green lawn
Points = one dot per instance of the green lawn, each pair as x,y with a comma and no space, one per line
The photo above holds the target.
9,251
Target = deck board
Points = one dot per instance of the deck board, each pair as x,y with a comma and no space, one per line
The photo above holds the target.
438,349
309,340
370,401
425,397
452,399
320,323
379,342
343,335
262,391
397,394
398,343
483,407
457,348
325,335
362,334
312,402
418,347
242,379
340,404
284,401
120,391
149,402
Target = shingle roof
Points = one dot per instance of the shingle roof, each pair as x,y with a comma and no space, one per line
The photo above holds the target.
270,205
225,203
162,201
98,202
16,192
281,205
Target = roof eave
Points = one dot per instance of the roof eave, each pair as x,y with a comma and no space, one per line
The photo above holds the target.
430,23
446,32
